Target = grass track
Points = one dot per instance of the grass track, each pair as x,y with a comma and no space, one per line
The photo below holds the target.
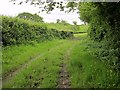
15,56
37,74
84,68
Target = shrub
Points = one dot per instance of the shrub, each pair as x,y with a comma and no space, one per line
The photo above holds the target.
19,31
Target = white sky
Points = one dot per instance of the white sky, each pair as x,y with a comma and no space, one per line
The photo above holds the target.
7,8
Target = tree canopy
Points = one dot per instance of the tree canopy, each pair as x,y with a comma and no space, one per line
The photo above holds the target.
103,19
74,22
29,16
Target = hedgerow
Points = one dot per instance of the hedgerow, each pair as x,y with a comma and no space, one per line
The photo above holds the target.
18,31
104,28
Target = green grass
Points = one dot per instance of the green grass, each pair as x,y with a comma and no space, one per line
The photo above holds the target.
60,27
73,28
86,70
81,36
83,28
42,72
14,56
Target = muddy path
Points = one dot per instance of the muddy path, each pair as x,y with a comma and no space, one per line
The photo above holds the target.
64,77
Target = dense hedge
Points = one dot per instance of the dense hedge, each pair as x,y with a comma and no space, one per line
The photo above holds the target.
104,23
18,31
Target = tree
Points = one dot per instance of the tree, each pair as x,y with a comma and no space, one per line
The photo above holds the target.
64,22
46,5
37,18
58,20
104,22
25,15
29,16
75,27
103,19
74,22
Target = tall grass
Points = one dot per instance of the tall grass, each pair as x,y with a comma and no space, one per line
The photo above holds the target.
88,71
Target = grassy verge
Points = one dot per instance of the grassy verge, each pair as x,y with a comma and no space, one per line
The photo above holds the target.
86,70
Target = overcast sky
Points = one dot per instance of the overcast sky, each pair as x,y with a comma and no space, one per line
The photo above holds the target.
7,8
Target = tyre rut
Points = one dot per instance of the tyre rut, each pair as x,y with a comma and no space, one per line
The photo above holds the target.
11,74
64,77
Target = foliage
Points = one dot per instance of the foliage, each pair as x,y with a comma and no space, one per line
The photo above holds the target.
29,16
74,22
85,70
62,22
18,31
104,22
72,6
89,71
103,19
104,27
58,21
